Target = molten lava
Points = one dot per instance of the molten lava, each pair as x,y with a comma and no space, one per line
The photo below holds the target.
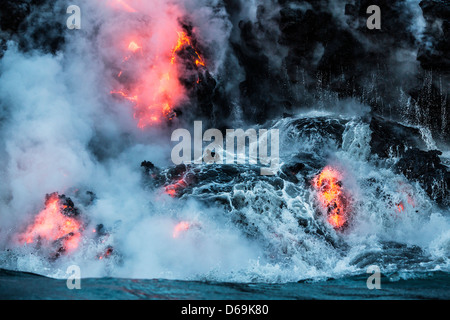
185,42
133,46
173,189
180,227
56,224
108,252
407,193
153,84
331,196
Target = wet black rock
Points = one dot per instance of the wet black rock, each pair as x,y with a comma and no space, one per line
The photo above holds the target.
320,127
415,161
289,172
206,97
426,168
13,14
148,167
393,253
390,138
69,208
435,53
298,52
67,205
33,24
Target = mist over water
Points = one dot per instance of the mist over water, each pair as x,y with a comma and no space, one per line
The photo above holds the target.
62,130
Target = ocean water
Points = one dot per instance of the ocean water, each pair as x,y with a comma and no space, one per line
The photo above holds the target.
26,286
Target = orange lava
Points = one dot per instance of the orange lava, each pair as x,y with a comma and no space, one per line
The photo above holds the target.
331,196
51,225
407,192
150,75
133,46
172,189
180,227
107,254
183,42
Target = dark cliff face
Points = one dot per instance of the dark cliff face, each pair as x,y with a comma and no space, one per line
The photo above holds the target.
388,140
436,56
327,50
295,54
34,24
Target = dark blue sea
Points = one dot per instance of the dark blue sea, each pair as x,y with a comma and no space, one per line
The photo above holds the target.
26,286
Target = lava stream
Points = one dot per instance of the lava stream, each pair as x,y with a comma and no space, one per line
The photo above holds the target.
153,81
56,224
332,197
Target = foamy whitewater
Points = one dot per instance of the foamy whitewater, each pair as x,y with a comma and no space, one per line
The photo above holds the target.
63,131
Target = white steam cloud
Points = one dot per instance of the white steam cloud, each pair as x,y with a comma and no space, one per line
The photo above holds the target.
61,130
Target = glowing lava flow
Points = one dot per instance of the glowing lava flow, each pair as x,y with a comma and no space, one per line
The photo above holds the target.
407,192
51,225
154,88
154,92
331,196
173,189
180,227
183,42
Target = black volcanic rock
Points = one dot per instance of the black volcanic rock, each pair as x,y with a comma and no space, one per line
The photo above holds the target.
294,53
329,51
390,138
69,208
435,53
13,13
261,92
33,24
433,105
426,168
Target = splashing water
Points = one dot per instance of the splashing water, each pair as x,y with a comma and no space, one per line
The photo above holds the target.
334,208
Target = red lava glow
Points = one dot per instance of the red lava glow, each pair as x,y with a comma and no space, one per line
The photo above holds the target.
154,93
151,68
407,193
133,46
107,254
172,189
183,42
331,196
180,227
51,225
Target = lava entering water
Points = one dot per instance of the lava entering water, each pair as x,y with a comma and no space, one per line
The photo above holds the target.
180,227
56,224
173,189
331,196
183,42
